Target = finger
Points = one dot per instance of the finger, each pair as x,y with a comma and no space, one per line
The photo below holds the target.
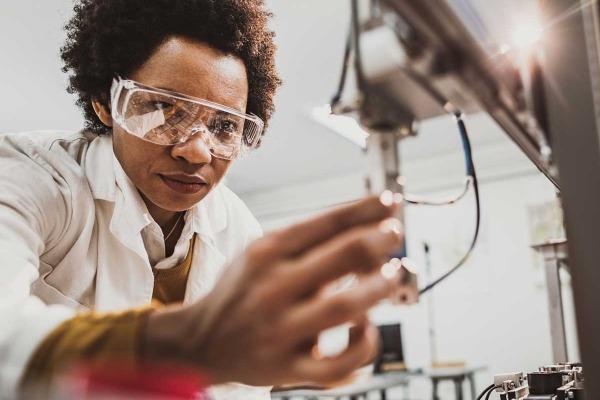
360,329
317,314
302,236
357,330
408,292
333,369
360,249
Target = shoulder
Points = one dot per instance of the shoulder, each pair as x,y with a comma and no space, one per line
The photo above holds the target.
232,225
40,171
58,152
232,201
46,162
238,215
41,151
56,142
54,158
61,154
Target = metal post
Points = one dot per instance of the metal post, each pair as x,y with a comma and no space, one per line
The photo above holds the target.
572,79
555,253
383,164
430,306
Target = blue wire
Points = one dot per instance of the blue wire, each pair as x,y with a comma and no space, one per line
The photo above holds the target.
466,145
470,172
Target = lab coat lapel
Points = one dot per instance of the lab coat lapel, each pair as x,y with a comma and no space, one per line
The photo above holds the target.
121,215
208,219
206,265
109,182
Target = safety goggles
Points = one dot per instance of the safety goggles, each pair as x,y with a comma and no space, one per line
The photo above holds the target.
169,118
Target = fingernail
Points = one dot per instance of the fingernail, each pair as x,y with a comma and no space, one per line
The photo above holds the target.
387,198
391,225
391,270
398,198
410,265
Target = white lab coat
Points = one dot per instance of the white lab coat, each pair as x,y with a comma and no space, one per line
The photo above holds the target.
75,235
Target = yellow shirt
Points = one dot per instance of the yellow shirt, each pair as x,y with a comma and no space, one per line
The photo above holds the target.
170,284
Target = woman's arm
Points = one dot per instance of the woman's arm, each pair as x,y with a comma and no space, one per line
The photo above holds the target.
34,210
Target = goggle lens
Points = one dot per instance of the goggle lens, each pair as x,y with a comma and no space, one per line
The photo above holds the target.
167,119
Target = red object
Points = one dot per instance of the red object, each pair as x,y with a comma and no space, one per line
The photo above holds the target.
148,382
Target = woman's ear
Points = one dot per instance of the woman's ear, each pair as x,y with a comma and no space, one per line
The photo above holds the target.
103,113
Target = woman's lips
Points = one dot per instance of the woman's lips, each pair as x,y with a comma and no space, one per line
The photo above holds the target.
183,184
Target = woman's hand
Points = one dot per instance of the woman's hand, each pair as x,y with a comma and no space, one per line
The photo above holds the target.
260,323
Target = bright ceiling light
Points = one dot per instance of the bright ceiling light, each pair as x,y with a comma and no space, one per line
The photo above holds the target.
345,126
527,35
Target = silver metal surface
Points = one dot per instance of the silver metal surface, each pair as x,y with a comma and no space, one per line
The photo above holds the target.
555,249
517,394
383,163
509,381
461,72
383,174
555,368
555,254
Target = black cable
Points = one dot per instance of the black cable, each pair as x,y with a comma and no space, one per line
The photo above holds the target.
356,40
353,43
337,97
488,389
471,172
487,397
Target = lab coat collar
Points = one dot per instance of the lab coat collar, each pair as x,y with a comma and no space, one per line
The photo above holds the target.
130,214
108,181
98,166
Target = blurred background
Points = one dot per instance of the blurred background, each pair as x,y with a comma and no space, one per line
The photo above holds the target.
492,312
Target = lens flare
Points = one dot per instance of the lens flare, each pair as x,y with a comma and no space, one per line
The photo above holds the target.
527,35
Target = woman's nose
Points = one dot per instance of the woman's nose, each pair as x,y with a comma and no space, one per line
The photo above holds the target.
195,150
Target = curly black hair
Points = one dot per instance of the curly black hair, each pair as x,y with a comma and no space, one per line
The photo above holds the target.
109,36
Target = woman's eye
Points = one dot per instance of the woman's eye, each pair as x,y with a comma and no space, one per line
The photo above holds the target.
228,126
225,127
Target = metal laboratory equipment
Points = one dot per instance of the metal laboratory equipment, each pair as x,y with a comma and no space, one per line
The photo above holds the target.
414,60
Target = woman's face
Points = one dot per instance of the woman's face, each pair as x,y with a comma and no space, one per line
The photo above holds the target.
175,178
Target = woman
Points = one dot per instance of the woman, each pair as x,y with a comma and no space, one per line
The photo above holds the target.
118,242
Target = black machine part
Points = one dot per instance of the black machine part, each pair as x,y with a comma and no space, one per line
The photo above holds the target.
544,382
568,392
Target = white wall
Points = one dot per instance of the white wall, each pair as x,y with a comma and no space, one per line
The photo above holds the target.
33,86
